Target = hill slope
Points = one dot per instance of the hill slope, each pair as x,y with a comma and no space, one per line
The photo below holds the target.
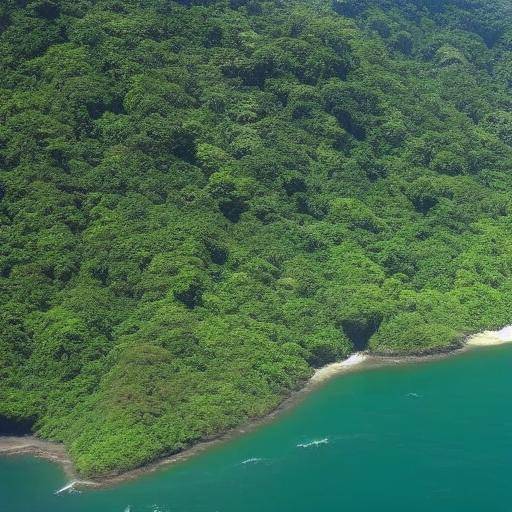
202,201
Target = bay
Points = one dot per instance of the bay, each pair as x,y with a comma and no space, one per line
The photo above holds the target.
423,437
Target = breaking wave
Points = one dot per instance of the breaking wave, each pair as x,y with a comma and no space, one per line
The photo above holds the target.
253,460
70,487
316,442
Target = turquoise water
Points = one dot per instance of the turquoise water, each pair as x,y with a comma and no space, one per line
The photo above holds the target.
430,437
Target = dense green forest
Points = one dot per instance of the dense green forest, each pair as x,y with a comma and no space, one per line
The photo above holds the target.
201,201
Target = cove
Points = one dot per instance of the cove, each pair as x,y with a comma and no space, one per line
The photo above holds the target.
428,436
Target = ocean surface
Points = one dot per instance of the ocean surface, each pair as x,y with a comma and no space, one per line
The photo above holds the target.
433,436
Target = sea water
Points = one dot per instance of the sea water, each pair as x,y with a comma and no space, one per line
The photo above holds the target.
434,436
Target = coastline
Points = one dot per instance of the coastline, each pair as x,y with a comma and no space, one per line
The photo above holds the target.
56,452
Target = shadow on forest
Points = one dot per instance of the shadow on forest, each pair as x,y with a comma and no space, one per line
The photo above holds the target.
15,427
359,333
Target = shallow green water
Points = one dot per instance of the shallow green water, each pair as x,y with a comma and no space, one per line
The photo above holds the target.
430,437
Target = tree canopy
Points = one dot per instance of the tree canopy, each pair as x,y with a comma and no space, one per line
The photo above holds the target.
203,200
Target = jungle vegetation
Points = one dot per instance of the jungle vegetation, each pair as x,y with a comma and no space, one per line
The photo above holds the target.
201,201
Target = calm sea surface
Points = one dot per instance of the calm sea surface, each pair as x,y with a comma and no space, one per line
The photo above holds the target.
429,437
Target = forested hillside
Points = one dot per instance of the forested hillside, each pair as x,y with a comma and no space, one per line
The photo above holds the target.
202,201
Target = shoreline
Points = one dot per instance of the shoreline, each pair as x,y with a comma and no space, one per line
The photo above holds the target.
56,452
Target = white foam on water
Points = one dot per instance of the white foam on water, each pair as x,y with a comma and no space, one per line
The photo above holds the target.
413,395
159,508
252,460
67,487
316,442
354,359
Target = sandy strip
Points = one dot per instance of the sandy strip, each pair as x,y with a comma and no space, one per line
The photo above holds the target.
489,338
57,453
328,371
29,444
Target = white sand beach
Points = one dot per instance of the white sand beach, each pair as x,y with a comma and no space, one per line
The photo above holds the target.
489,338
329,370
